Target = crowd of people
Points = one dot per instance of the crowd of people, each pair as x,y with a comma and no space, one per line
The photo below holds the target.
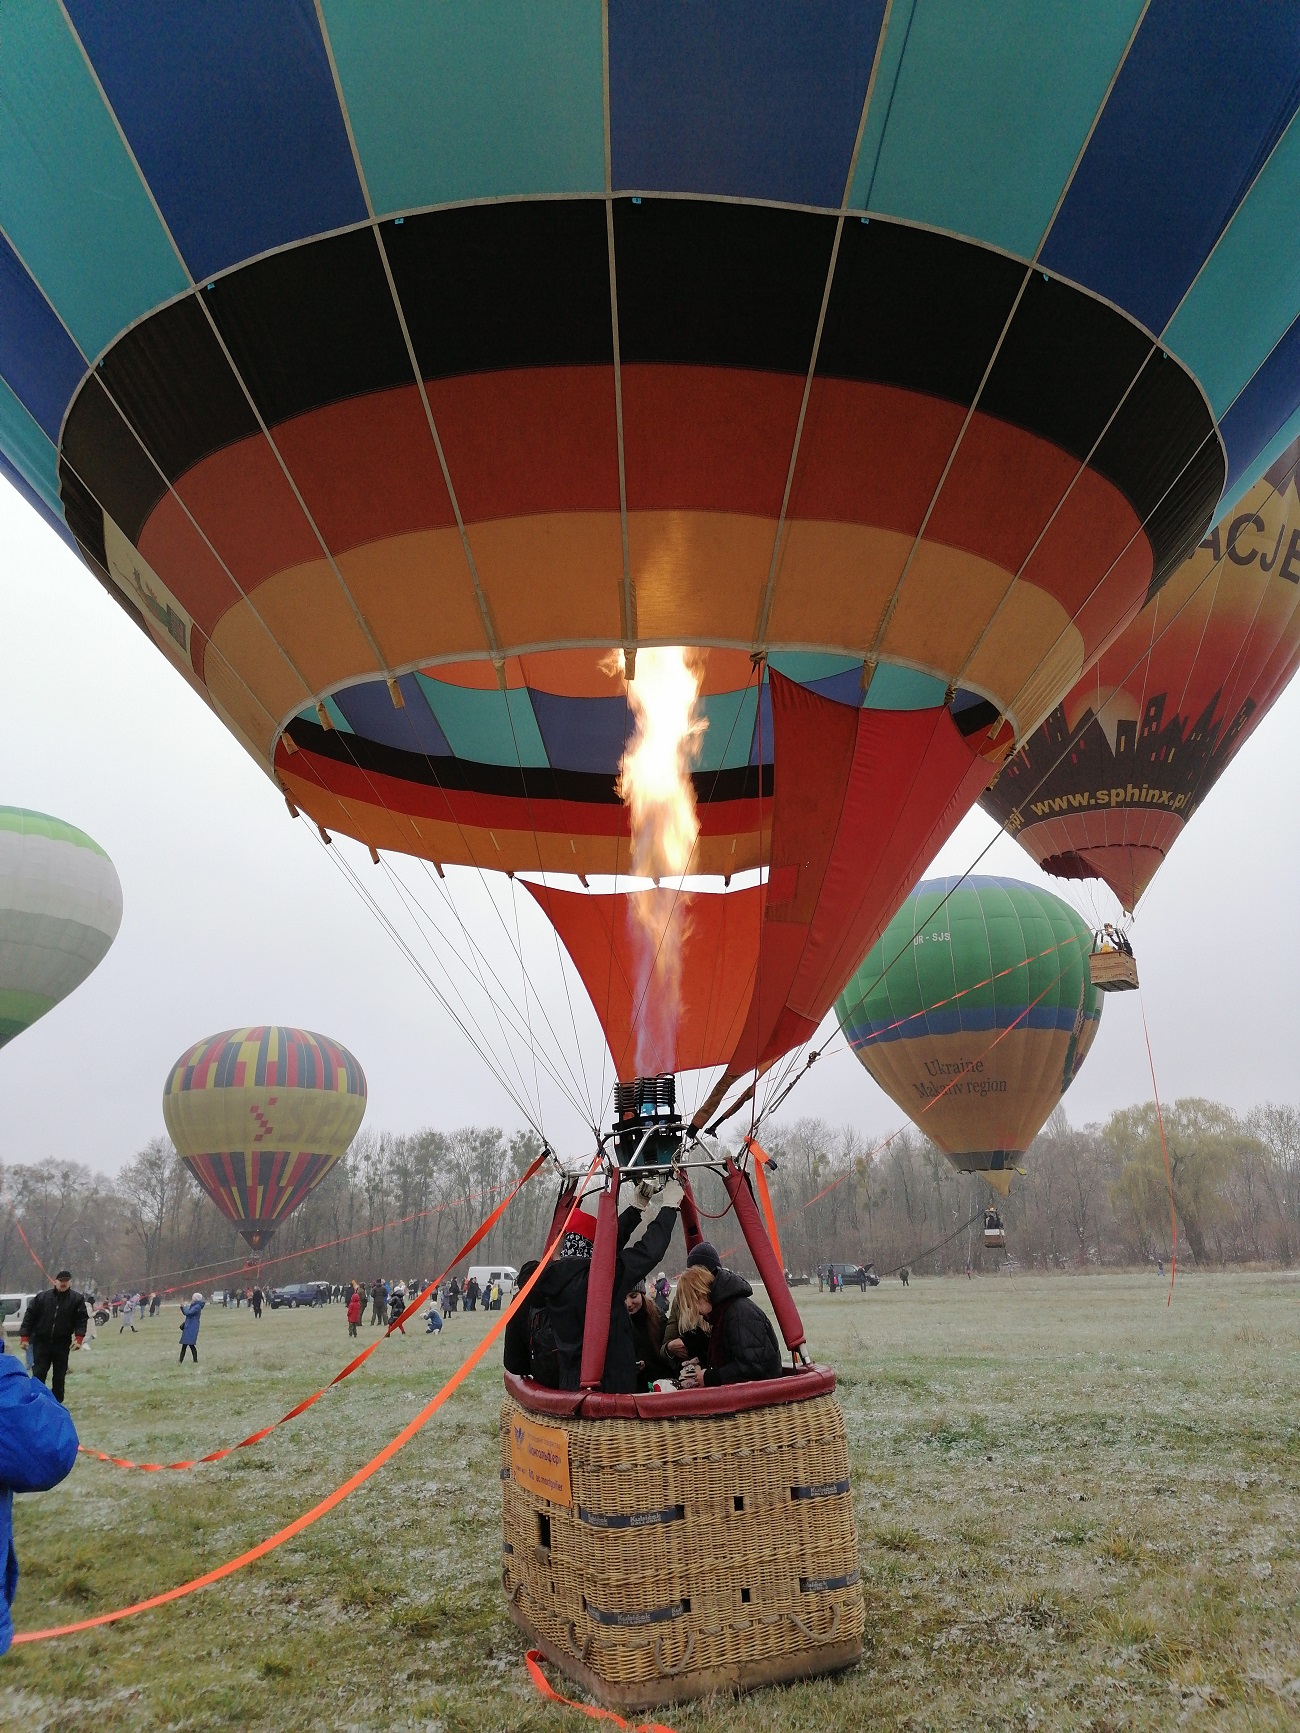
707,1330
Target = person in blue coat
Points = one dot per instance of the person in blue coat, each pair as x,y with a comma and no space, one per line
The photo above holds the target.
193,1315
38,1446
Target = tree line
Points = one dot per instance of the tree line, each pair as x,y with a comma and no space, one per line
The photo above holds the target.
1090,1195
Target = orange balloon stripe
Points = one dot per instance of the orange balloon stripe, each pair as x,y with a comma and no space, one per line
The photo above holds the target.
336,1497
484,1228
533,1661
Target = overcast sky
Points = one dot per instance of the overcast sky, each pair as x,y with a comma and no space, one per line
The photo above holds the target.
235,914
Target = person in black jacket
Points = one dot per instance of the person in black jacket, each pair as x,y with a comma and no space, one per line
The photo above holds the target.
51,1323
742,1342
648,1338
559,1301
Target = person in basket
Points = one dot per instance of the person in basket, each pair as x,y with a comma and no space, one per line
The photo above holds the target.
742,1342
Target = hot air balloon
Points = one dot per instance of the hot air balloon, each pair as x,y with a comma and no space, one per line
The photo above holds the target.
1104,788
393,371
974,1012
60,908
260,1116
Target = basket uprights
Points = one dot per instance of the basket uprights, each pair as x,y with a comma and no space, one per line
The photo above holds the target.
691,1229
770,1272
563,1204
600,1285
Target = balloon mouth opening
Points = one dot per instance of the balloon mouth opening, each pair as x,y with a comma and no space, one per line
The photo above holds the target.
256,1237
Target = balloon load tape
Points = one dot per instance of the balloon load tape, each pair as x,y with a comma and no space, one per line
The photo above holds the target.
648,1130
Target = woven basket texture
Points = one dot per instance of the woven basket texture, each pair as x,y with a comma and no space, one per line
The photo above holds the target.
742,1549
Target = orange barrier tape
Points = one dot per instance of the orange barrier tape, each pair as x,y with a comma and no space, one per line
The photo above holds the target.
326,1505
13,1216
481,1232
533,1661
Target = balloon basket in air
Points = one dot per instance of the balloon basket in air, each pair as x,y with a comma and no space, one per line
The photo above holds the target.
1113,972
659,1547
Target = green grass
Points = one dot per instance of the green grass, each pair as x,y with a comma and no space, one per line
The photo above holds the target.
1076,1509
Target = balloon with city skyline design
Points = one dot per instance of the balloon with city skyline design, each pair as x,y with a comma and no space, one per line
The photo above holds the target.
1105,787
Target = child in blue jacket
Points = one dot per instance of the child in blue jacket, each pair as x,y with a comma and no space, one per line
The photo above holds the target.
38,1446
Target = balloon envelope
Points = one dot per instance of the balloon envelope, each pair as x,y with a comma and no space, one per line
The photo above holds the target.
974,1014
1104,788
60,908
391,366
260,1115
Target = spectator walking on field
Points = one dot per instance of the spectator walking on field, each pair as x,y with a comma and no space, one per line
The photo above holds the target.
256,1303
53,1320
193,1316
378,1304
128,1315
38,1446
354,1311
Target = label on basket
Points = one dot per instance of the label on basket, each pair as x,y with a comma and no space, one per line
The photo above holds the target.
539,1459
826,1489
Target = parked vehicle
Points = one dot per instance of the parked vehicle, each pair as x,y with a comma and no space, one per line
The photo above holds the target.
299,1294
856,1275
486,1274
12,1307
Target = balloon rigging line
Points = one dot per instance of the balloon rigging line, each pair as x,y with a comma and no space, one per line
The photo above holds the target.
480,1233
592,1113
1164,1150
505,1006
470,967
388,926
335,1498
481,1040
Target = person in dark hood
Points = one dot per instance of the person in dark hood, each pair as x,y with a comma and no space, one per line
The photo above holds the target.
742,1342
52,1321
516,1353
559,1300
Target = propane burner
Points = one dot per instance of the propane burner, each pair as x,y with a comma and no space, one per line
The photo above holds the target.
648,1129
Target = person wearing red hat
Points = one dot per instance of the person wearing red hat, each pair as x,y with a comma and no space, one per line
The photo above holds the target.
558,1310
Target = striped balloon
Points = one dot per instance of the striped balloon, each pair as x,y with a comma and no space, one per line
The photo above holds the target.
260,1116
60,908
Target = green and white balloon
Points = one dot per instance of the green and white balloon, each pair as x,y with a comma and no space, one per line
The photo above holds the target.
60,908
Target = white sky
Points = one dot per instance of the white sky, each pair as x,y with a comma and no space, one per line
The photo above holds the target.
234,914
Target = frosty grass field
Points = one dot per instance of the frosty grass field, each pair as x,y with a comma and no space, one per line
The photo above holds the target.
1076,1509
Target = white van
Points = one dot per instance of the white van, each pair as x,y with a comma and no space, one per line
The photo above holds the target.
486,1274
12,1307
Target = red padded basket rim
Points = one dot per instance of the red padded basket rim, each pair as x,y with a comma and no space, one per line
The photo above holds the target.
796,1385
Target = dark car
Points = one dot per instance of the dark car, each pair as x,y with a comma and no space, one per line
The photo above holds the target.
856,1275
298,1294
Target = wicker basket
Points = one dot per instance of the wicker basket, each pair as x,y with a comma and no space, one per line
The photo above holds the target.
662,1547
1113,971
